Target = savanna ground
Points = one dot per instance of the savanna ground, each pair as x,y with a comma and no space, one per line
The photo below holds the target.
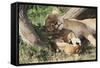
32,54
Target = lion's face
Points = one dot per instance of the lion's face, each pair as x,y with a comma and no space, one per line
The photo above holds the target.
50,27
50,22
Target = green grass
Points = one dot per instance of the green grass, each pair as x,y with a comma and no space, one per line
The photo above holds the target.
30,54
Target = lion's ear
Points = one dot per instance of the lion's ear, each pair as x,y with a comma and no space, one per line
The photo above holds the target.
55,11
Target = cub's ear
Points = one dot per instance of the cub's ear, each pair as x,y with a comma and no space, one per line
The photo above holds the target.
71,35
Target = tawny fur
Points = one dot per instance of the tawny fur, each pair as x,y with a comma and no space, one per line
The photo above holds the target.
65,35
69,49
90,23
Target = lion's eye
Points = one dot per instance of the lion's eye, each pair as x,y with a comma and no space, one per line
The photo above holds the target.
55,23
70,42
52,24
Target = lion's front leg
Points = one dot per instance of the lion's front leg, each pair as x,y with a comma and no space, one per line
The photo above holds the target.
92,40
89,37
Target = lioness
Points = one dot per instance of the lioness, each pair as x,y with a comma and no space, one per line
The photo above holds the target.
53,22
90,23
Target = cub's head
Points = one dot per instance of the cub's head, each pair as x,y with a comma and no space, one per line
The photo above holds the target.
73,39
69,36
